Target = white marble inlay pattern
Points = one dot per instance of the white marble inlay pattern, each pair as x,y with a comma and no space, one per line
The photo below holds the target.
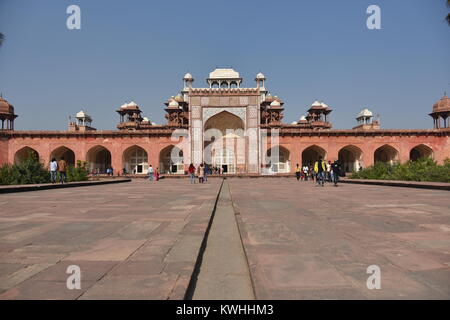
195,112
238,111
243,100
252,112
204,101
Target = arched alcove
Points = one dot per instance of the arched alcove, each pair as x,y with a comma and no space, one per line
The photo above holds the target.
24,154
65,153
311,154
420,151
386,154
99,158
277,160
171,160
350,158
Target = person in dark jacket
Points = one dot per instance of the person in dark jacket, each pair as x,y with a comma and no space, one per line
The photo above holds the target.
336,167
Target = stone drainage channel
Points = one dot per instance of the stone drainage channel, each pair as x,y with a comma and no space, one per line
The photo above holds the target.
221,271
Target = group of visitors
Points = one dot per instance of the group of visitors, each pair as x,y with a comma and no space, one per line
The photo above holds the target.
215,170
202,172
109,171
58,167
321,171
153,174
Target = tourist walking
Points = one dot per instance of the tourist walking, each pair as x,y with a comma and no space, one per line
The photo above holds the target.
328,164
191,171
336,172
201,173
157,174
305,172
320,168
298,172
62,168
311,172
150,173
53,170
206,172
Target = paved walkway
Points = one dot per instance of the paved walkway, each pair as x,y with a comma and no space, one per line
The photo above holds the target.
399,183
135,240
307,242
141,240
224,273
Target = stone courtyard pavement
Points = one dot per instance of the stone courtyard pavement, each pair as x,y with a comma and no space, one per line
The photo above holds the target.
140,240
307,242
135,240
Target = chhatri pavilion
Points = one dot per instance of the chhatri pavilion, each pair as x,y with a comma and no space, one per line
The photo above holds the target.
224,124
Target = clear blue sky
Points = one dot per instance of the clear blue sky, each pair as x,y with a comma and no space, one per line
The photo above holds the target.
308,49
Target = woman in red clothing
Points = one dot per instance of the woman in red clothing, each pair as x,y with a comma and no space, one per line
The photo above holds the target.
191,171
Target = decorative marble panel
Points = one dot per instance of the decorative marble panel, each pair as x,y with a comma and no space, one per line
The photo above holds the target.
243,101
252,112
238,111
253,100
234,101
214,101
195,101
197,124
253,122
195,112
205,101
224,101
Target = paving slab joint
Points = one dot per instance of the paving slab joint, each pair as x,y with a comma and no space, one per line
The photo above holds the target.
194,277
237,215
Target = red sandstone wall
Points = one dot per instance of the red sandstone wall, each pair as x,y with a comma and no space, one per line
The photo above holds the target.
295,144
116,146
4,148
368,145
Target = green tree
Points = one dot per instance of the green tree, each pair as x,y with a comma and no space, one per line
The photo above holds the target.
28,171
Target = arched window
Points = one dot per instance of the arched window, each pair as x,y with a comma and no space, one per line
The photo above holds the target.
171,160
278,160
135,160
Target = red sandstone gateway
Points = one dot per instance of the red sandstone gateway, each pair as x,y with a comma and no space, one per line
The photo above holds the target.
239,130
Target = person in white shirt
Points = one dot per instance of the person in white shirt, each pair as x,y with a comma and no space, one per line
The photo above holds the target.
305,172
53,170
150,173
328,164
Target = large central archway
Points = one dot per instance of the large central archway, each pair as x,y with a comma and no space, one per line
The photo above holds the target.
135,160
98,158
311,154
224,142
350,158
386,154
171,160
